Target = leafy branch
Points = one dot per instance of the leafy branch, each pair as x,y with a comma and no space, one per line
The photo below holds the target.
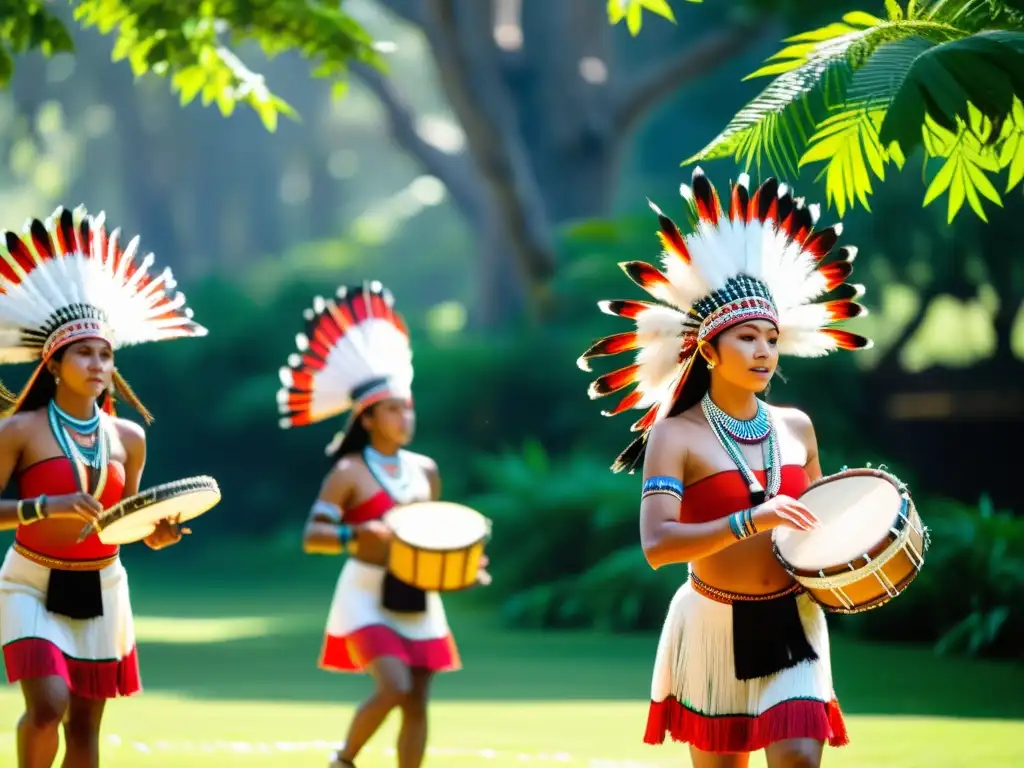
856,95
192,43
632,11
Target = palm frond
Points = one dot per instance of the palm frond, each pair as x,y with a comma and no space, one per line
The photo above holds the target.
968,158
858,94
1011,151
813,75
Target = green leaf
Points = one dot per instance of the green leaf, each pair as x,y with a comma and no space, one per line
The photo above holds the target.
632,12
848,143
967,160
661,8
893,10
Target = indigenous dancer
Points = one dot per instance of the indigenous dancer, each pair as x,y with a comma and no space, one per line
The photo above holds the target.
743,660
355,354
70,296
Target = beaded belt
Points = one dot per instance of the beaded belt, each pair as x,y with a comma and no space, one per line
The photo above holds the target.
64,565
728,598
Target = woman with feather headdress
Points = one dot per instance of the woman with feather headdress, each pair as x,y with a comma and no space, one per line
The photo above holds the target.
355,356
743,661
70,296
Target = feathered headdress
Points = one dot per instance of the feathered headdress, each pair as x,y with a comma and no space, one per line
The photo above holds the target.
758,260
65,280
355,352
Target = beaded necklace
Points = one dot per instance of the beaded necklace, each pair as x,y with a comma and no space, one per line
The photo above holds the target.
769,448
747,431
390,472
95,455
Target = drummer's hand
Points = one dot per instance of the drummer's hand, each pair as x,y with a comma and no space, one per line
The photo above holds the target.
167,533
483,578
372,541
80,505
785,512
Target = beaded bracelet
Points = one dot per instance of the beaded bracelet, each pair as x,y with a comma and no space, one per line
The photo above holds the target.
345,534
38,510
670,486
742,523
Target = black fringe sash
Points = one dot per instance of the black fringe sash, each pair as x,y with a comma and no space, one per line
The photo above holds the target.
768,637
400,597
75,594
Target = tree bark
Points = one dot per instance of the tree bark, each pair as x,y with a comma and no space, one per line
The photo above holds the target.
545,123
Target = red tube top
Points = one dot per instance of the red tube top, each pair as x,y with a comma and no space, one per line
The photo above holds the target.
723,493
56,477
371,509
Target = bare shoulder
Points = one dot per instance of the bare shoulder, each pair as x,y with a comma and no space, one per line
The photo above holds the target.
18,426
798,422
425,463
671,435
347,469
132,435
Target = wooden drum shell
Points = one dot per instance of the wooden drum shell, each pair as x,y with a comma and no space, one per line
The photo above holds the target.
887,568
432,570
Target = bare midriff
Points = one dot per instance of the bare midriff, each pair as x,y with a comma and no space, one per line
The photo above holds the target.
747,567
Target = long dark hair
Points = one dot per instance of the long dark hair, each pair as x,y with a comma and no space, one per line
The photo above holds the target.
357,437
698,381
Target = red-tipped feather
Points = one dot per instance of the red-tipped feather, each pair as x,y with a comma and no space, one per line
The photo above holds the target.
629,401
835,273
671,238
646,421
739,203
821,242
643,274
800,223
610,345
764,199
843,309
847,340
19,257
614,381
706,197
626,308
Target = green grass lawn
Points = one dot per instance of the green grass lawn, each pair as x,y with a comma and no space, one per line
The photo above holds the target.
230,676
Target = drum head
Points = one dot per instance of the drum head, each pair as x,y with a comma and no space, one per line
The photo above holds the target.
438,525
856,512
136,517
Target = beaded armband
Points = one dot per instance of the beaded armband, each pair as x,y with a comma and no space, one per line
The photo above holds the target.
742,523
325,509
662,484
36,512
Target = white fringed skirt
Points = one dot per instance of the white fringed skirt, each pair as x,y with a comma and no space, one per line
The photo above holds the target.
696,697
360,629
95,657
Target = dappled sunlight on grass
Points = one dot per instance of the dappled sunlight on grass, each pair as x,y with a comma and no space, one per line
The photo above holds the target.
226,686
177,629
157,731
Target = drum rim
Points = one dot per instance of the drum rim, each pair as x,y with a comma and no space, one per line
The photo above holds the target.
203,483
878,602
900,523
485,537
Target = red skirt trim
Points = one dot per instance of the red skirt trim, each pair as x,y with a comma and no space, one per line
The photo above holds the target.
353,652
33,657
793,719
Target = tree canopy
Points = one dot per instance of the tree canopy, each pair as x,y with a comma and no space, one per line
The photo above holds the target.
190,42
